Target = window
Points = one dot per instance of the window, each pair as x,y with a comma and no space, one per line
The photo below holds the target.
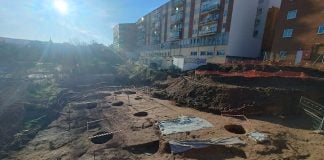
224,26
225,13
282,55
287,33
321,29
203,53
193,53
292,14
210,53
220,53
255,33
259,11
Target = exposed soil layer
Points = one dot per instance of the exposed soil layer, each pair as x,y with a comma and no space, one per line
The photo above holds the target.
238,95
263,68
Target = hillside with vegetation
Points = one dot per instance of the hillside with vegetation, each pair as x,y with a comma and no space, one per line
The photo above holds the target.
33,78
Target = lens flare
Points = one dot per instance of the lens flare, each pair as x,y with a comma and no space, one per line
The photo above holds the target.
61,6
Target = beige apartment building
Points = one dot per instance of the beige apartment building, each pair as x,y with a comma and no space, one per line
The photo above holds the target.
124,36
189,33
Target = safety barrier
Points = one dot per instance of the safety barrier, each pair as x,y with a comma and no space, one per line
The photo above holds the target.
314,110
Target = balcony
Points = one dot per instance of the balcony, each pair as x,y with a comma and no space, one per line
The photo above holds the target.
175,28
156,25
177,18
207,30
209,18
210,5
178,3
174,35
156,39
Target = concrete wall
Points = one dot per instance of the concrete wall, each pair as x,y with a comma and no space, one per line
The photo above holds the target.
241,41
187,19
188,63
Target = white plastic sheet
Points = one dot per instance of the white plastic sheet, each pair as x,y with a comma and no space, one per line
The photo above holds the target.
258,136
183,124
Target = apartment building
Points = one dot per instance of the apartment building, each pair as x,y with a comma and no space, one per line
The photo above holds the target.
300,31
204,31
124,35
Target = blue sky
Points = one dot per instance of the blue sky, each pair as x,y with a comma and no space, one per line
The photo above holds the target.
69,20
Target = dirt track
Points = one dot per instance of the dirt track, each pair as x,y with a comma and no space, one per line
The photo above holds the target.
139,139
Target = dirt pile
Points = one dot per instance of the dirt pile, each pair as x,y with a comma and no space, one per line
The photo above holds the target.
238,95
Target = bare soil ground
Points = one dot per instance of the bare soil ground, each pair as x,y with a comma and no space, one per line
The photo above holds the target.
138,138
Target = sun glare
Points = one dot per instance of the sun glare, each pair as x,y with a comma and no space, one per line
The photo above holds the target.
61,6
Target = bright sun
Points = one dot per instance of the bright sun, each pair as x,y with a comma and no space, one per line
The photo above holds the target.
61,6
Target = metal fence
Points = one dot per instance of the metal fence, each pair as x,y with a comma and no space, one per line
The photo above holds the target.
314,110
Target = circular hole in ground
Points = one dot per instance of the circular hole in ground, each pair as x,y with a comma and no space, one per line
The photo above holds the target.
91,105
118,103
141,114
101,137
129,92
138,98
117,92
234,128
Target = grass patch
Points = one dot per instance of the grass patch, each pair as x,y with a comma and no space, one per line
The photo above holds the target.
42,91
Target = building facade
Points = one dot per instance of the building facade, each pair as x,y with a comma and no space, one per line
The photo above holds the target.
300,31
215,30
271,24
124,36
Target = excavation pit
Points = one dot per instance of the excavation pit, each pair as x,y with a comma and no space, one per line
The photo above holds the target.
91,105
118,103
138,98
129,92
101,137
117,92
147,148
234,128
141,114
